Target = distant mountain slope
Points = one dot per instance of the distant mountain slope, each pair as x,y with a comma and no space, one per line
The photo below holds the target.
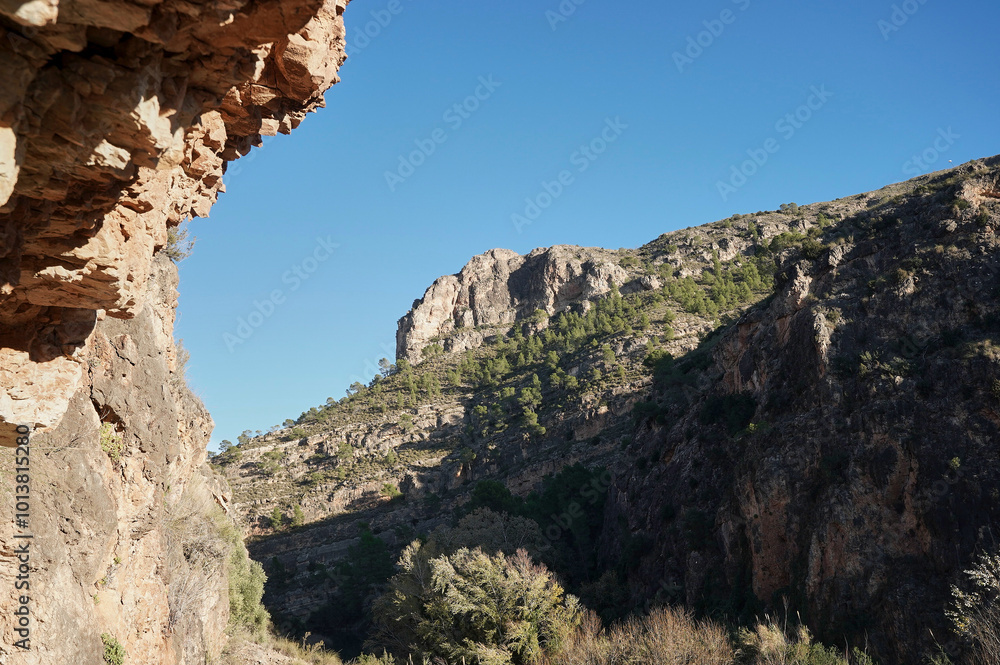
799,406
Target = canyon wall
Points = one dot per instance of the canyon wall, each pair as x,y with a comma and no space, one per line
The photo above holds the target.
117,121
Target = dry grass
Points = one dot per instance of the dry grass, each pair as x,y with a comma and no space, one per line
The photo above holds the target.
244,647
665,636
770,644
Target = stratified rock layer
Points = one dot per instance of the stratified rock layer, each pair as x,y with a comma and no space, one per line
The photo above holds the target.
116,122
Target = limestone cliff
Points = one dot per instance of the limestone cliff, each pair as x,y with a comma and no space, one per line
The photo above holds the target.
117,121
500,287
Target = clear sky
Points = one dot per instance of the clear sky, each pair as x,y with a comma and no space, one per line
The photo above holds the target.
642,107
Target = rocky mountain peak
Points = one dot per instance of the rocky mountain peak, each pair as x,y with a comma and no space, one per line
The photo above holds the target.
501,287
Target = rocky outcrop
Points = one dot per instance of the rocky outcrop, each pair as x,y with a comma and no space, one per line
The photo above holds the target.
113,488
828,451
116,122
500,287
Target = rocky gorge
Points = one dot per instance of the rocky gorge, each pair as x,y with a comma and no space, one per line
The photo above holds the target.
789,413
819,443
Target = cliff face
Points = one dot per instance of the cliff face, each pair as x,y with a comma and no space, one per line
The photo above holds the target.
862,477
117,120
501,287
110,527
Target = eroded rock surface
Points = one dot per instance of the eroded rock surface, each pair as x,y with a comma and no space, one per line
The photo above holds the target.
116,122
501,287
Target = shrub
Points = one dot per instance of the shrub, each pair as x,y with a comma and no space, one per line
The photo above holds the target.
975,611
664,637
406,423
114,652
111,442
246,588
768,644
488,609
276,518
179,244
432,351
390,491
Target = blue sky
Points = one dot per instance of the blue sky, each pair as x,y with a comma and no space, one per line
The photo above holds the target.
642,107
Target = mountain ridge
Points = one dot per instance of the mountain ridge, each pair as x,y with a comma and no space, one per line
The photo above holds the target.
679,387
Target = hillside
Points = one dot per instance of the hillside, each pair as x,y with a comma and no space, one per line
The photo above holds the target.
785,411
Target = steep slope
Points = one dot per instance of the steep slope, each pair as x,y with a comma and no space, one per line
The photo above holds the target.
820,441
117,121
864,473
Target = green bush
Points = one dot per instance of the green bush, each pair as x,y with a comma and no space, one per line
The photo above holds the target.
111,442
114,652
489,609
246,586
391,491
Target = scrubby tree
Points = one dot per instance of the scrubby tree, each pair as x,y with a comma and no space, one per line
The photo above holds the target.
276,518
489,609
975,611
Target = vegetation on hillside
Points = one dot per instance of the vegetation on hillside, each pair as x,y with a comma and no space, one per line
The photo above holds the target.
536,578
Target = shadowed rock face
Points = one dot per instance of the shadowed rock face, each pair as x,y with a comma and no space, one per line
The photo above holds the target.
117,120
